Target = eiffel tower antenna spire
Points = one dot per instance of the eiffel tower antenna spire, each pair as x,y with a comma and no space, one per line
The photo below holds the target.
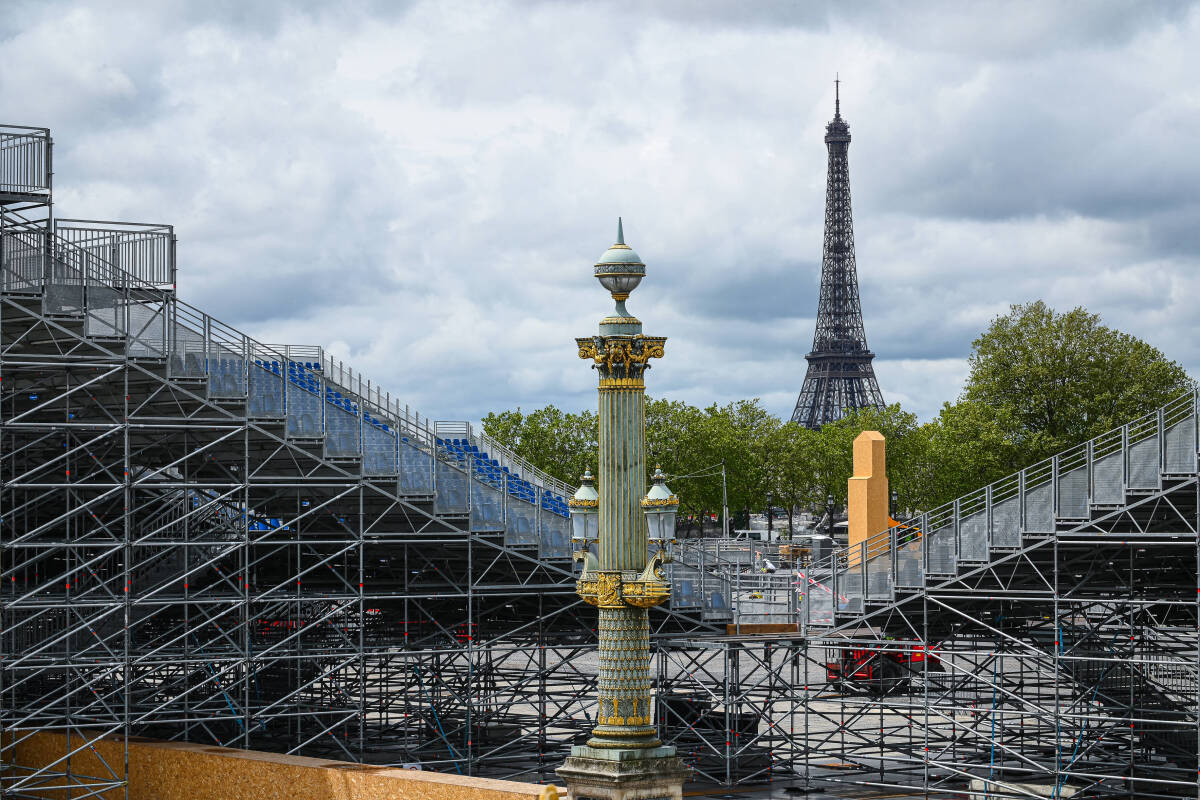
840,376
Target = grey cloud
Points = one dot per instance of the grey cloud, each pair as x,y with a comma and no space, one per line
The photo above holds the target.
422,188
1013,29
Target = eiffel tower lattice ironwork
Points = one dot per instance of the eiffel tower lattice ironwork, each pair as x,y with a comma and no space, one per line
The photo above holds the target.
840,375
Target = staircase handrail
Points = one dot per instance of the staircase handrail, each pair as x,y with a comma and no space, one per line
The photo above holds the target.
93,266
153,244
26,159
884,544
507,457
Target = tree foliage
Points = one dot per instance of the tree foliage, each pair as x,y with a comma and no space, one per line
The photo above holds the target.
1039,382
1052,380
558,443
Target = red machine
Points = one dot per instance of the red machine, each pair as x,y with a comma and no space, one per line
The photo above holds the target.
879,670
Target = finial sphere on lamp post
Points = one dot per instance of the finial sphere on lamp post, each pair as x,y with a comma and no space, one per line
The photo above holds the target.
623,758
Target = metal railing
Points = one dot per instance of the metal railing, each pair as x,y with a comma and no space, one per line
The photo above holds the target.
145,251
120,278
25,160
1063,489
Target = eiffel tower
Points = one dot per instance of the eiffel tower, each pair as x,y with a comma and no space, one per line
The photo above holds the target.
840,376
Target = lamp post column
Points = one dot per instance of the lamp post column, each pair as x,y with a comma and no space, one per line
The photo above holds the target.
624,758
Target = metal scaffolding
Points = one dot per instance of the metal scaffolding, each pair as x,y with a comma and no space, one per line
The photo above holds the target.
211,539
1037,637
208,538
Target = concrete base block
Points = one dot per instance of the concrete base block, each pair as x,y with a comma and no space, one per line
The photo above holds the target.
593,773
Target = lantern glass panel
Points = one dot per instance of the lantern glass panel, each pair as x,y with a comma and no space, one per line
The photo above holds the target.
583,525
652,523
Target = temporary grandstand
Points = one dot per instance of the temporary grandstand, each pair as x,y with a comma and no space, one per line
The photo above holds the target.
211,539
1037,636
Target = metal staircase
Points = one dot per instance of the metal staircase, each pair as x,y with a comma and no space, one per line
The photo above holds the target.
1092,489
206,537
116,285
1035,638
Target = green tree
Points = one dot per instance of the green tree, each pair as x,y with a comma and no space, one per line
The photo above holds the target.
737,435
793,469
969,446
558,443
689,443
907,450
1053,380
676,439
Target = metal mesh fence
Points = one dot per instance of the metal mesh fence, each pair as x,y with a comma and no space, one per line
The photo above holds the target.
451,497
304,412
521,523
341,432
416,470
379,452
487,508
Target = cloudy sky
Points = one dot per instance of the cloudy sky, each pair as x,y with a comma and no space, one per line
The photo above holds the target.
422,188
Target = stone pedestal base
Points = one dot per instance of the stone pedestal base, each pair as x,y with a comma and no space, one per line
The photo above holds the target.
593,773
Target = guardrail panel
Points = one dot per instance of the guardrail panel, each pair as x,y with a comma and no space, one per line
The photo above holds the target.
304,411
939,551
850,583
104,315
1006,523
226,374
188,350
147,324
265,398
973,538
451,495
1039,509
341,433
139,254
22,261
879,577
818,602
379,452
555,536
1144,467
1073,493
63,292
520,522
1179,447
25,159
416,470
487,508
685,586
1108,479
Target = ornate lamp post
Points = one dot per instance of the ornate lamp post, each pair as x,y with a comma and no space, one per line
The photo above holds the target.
624,758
